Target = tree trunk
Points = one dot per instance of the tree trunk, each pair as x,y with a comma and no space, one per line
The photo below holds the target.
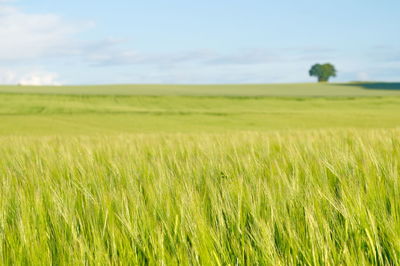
321,79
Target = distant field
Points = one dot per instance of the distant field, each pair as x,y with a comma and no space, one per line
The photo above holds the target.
287,90
88,115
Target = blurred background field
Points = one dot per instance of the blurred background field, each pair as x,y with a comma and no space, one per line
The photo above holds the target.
250,90
134,109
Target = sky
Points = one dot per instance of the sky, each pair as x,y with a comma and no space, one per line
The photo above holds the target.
47,42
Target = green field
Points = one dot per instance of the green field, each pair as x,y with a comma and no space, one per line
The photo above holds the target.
78,111
295,174
250,90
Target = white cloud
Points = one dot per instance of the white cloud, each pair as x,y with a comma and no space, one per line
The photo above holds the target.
8,77
114,57
26,39
27,36
109,54
34,78
39,79
362,76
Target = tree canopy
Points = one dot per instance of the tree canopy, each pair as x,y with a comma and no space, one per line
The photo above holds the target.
323,72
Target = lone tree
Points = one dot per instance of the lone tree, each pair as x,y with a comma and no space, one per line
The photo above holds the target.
323,72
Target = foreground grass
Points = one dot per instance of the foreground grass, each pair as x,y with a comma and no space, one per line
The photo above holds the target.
303,197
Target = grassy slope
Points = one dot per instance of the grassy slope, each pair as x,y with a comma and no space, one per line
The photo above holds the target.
288,90
177,108
58,114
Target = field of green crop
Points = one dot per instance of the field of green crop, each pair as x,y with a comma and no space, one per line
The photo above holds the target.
198,179
48,115
355,89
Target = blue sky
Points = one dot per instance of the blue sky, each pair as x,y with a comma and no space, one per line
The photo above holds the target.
176,41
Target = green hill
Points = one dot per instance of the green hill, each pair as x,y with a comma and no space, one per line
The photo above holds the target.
285,90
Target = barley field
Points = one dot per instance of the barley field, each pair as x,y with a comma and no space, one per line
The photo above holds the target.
316,197
349,89
184,180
